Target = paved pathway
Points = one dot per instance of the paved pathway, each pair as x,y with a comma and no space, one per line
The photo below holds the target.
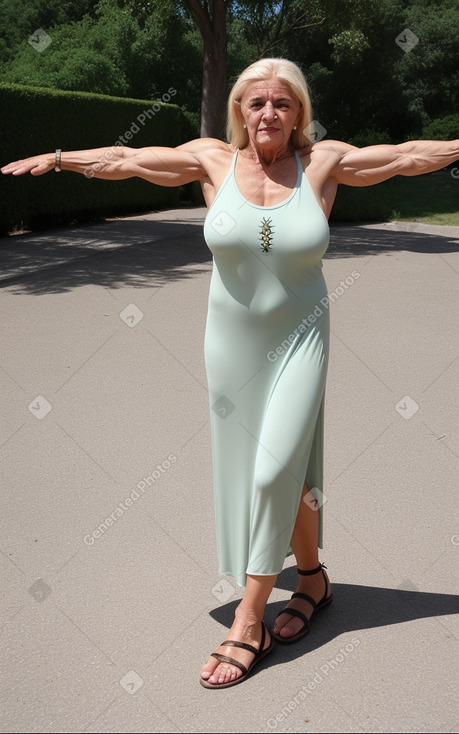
111,596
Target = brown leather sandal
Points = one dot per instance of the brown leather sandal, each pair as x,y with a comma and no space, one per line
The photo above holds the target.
259,654
296,613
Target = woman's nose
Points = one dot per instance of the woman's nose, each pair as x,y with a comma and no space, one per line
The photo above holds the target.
268,112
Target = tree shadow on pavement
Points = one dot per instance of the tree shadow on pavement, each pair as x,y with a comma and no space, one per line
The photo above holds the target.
124,253
143,253
355,241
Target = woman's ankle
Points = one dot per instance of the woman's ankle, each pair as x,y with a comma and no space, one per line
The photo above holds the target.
247,615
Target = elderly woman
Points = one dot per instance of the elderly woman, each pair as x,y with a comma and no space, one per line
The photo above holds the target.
269,194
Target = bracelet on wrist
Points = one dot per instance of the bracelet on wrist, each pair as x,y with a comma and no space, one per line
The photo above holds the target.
57,160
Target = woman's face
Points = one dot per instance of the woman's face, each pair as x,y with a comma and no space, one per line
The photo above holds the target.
270,110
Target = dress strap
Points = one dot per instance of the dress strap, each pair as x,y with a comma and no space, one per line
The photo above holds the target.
300,170
233,164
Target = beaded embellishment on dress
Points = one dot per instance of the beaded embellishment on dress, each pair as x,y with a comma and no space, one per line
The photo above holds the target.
266,234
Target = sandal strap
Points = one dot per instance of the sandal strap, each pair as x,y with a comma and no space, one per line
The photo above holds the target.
231,661
295,613
263,636
320,567
306,597
314,570
244,645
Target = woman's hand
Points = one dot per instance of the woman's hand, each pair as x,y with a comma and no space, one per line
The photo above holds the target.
37,165
160,165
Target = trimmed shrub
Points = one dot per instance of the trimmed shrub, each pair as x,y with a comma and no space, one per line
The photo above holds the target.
37,120
370,137
363,204
444,128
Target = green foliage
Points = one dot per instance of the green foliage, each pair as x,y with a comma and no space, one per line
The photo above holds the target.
76,121
370,137
360,79
365,87
443,128
114,48
20,19
401,198
349,46
429,74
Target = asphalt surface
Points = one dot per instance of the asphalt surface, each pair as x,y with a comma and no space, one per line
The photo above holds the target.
111,598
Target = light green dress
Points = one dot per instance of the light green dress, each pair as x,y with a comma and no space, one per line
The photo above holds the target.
266,350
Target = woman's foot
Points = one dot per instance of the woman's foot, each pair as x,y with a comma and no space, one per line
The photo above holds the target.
318,587
245,629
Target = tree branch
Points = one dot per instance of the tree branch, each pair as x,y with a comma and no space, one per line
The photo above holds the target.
279,24
200,16
292,27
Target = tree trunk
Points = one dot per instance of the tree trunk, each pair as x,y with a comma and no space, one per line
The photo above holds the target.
211,21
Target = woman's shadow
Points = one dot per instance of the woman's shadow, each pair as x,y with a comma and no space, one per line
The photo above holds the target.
353,608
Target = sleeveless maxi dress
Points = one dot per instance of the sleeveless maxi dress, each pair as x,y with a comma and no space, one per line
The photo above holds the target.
266,352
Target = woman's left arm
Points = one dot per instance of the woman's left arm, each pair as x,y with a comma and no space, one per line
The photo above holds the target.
376,163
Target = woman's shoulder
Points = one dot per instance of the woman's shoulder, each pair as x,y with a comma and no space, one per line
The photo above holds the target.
324,146
323,155
213,154
208,146
330,147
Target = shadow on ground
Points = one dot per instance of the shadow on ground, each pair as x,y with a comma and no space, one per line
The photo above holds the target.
353,608
142,253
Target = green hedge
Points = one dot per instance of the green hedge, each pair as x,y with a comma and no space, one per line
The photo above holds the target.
443,128
431,195
36,120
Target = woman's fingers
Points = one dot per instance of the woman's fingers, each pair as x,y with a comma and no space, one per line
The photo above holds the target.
37,165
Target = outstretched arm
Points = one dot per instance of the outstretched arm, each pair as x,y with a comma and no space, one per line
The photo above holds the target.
159,165
376,163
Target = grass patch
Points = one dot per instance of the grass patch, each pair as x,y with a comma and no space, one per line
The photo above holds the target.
430,199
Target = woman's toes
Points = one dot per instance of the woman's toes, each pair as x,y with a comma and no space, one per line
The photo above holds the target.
209,668
234,672
218,673
287,631
279,629
279,624
223,674
288,628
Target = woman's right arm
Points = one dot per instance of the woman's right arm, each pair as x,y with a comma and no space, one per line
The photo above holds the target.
159,165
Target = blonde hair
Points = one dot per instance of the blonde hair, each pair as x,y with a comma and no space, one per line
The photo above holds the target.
263,69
